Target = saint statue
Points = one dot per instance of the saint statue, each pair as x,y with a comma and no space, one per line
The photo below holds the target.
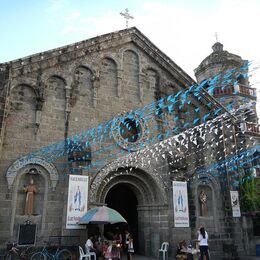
203,204
30,189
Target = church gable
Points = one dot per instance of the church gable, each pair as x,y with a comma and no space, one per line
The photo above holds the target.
119,64
90,82
97,44
91,48
93,81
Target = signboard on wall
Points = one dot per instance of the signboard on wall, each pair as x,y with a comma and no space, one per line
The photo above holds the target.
235,204
26,234
77,200
180,204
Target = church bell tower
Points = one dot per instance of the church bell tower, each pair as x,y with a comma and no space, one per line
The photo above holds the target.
227,75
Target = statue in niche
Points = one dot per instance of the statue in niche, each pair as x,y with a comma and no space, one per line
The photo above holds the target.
203,203
30,190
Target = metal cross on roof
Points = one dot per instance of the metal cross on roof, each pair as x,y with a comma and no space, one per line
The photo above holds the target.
127,16
216,35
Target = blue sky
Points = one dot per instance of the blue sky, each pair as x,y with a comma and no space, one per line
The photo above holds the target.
182,29
31,26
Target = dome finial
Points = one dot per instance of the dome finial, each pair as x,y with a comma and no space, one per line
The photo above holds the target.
216,36
217,47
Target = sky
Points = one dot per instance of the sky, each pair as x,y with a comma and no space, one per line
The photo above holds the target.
183,29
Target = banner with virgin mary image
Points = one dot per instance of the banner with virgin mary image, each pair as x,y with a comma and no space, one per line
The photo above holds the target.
235,204
180,204
77,201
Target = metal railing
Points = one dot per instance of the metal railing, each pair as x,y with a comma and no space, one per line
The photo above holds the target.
228,90
249,127
252,128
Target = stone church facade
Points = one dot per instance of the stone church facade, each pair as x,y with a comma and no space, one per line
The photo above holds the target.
104,83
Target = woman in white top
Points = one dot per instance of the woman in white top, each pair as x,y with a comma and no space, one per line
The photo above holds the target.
203,240
89,245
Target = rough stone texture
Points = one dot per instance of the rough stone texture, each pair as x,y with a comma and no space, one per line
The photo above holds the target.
221,63
237,92
61,92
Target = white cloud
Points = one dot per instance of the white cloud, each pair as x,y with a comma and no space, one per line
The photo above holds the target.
56,8
187,36
69,25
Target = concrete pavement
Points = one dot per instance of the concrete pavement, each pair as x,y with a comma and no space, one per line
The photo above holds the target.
140,257
249,258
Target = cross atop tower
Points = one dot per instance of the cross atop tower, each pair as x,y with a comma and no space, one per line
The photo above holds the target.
127,16
216,35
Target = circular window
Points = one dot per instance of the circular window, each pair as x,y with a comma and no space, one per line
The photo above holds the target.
129,131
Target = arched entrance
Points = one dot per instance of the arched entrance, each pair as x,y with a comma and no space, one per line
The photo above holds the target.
141,199
122,198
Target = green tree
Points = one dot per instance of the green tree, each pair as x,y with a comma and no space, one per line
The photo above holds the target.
250,194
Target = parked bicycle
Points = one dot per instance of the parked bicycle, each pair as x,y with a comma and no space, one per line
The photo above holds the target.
14,253
44,254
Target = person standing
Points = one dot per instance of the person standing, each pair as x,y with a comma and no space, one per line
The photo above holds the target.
127,234
126,244
130,247
203,241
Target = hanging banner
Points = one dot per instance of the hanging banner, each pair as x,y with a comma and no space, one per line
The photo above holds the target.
77,200
235,204
180,204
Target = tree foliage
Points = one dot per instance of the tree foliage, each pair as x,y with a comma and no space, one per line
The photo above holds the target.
250,195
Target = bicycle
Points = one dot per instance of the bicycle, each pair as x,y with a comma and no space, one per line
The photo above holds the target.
16,253
44,254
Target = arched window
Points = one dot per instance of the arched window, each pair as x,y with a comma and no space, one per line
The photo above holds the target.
242,81
84,91
108,78
131,72
54,107
85,78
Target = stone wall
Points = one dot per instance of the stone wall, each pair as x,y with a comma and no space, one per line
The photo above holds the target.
63,92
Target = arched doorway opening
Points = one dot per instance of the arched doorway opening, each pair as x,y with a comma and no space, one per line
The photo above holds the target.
148,196
122,198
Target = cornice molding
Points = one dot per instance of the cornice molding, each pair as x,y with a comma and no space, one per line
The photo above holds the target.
78,50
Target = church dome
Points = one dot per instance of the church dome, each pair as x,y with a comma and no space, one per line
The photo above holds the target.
218,60
233,90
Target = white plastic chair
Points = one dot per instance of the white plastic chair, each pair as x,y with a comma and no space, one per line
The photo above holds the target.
164,250
90,253
82,255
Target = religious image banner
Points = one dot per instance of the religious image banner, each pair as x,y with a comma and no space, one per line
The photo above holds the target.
180,204
77,200
235,204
